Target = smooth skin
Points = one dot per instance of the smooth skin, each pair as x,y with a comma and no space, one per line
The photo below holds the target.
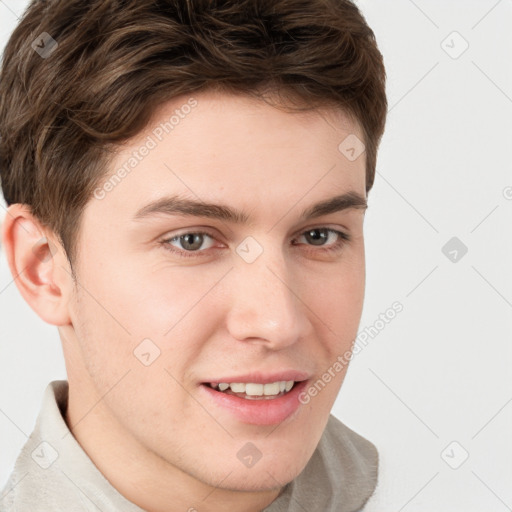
152,433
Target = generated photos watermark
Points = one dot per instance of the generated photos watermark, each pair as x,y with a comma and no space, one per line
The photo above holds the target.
150,143
344,359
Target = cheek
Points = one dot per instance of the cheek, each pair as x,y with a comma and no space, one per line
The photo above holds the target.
132,352
142,301
336,295
122,306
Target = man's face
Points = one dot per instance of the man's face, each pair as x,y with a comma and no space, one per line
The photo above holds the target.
167,301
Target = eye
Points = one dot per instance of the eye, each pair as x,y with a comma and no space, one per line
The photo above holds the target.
188,242
320,236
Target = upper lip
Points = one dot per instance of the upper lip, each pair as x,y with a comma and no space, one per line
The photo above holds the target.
263,378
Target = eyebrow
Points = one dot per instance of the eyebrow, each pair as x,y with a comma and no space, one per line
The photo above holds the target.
176,205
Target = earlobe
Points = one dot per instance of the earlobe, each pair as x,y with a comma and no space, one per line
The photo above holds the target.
36,259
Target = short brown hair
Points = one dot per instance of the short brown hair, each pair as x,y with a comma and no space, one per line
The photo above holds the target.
116,61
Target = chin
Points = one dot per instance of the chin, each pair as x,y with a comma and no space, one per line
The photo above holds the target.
266,478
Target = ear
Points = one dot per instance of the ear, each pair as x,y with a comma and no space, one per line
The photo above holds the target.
38,265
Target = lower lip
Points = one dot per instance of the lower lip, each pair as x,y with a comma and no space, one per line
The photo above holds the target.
258,412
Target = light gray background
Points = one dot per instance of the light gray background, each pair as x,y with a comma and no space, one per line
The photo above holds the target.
440,371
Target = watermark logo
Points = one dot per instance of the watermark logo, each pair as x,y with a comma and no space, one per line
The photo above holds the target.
147,352
454,249
249,455
455,455
45,455
454,45
44,45
249,249
352,147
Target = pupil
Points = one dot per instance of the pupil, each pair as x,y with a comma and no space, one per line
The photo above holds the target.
190,239
318,236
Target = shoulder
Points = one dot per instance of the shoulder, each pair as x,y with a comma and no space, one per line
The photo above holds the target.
351,447
352,462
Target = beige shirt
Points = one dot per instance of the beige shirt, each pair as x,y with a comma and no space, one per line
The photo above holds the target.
53,473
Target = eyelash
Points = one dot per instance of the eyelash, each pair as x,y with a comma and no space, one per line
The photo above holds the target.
343,239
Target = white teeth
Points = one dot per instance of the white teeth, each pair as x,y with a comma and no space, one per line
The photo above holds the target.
237,387
271,389
254,389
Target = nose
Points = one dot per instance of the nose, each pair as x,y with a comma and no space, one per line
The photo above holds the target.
266,306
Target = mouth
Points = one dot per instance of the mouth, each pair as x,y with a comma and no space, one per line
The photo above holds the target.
267,402
254,390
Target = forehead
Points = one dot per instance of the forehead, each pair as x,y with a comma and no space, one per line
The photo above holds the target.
220,119
212,146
